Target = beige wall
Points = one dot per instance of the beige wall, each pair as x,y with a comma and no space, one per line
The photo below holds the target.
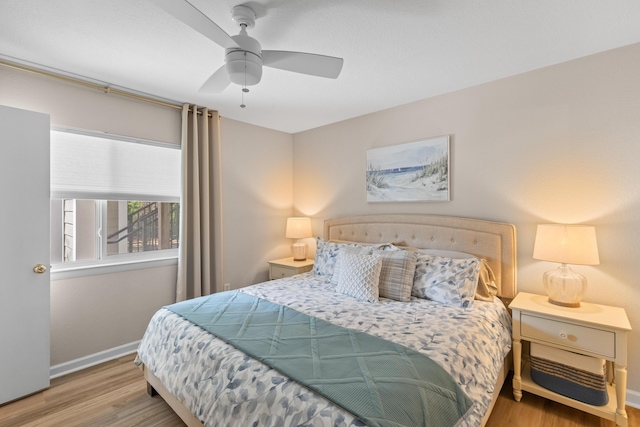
560,144
96,313
257,192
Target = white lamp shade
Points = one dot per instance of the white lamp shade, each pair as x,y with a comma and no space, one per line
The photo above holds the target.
298,228
566,244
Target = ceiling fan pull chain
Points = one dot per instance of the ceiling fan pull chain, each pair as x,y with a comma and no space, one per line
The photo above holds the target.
244,88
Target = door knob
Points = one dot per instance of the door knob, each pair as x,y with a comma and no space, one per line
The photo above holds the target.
39,268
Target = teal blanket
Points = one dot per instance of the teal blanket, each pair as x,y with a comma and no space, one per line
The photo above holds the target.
379,382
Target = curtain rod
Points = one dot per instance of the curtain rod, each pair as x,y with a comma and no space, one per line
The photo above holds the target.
105,89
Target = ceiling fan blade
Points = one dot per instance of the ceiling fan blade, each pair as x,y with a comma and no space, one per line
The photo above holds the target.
187,13
217,82
305,63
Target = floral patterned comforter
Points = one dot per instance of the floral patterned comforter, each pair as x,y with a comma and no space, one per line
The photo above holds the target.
224,387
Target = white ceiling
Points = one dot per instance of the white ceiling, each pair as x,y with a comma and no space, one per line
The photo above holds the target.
394,52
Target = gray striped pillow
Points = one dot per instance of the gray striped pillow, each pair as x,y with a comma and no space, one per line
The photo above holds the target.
396,276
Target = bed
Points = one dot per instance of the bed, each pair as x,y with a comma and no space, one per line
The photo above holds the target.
207,380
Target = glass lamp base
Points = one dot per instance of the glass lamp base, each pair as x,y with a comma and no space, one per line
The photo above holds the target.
564,286
299,251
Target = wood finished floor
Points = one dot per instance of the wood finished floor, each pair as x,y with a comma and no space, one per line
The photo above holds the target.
114,394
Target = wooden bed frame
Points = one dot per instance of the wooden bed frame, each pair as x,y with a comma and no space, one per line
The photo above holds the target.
493,241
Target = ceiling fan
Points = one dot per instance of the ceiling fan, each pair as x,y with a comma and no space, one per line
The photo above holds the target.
244,56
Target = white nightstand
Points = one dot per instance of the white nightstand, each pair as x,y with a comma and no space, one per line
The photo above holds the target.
591,329
286,267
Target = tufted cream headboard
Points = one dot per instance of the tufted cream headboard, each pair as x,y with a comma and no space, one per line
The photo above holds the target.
493,241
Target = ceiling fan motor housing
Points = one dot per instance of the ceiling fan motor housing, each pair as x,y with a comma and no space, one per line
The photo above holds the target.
244,64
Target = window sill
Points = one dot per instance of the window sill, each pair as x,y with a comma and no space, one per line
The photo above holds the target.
61,272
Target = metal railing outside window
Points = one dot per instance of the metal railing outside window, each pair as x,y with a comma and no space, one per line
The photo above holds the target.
150,226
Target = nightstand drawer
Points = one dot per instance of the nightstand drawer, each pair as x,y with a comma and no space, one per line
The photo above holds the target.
287,267
278,272
581,338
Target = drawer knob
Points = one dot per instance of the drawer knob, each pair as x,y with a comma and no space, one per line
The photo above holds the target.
563,335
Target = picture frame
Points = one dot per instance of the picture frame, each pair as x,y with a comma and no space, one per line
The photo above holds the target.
415,171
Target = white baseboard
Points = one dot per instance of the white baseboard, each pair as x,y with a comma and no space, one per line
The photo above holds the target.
93,359
633,399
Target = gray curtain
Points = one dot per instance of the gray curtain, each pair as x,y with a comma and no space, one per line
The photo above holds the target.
200,157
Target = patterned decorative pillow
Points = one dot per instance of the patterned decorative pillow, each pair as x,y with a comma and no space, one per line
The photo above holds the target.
359,276
486,289
446,280
396,276
326,256
351,249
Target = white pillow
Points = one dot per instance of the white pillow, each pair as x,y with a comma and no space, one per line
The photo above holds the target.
447,280
338,265
436,252
445,253
359,276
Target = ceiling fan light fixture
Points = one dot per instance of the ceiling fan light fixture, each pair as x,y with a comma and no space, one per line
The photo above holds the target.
244,64
243,72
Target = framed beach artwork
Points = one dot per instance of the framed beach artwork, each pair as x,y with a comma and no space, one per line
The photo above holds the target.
410,172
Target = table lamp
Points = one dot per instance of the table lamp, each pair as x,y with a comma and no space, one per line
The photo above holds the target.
298,228
566,244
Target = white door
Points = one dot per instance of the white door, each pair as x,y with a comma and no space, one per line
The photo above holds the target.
24,243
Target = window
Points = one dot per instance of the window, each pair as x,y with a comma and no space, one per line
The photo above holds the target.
114,200
132,227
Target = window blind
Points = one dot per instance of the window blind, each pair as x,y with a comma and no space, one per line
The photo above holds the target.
93,166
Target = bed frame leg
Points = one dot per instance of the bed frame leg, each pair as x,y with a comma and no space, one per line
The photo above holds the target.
151,391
